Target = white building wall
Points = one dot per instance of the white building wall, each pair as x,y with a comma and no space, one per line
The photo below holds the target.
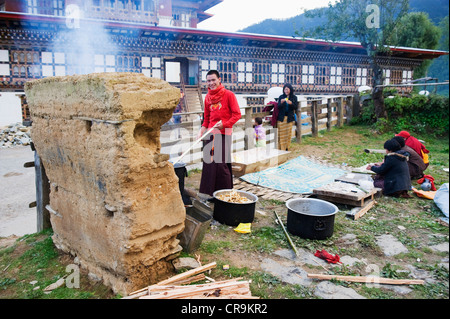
10,108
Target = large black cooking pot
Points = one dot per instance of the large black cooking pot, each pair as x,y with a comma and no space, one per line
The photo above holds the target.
310,218
232,214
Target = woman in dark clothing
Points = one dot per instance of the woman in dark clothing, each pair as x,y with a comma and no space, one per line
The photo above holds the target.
415,162
394,171
287,105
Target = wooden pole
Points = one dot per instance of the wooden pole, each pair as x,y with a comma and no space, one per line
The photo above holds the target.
248,138
340,112
314,120
329,114
364,210
287,235
369,279
299,125
182,276
42,194
350,109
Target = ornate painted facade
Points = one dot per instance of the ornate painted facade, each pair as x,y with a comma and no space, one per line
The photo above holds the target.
55,38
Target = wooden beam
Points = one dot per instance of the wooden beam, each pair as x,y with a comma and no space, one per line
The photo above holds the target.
340,112
198,291
371,279
171,280
369,151
314,120
42,195
298,130
364,210
329,114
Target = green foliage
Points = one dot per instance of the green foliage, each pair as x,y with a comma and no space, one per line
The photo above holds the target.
415,30
34,258
346,19
439,68
418,113
392,271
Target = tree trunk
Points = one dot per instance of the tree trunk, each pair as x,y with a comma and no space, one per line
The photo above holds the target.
377,93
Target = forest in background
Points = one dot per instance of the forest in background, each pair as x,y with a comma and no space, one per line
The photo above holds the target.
437,11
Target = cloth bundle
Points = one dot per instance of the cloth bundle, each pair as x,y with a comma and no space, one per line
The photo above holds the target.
430,178
244,228
323,254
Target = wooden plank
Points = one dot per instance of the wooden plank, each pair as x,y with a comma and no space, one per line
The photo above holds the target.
350,196
284,197
190,280
342,190
196,291
277,196
314,123
188,273
158,288
352,178
262,191
363,210
259,191
176,278
369,279
268,195
42,194
338,200
371,151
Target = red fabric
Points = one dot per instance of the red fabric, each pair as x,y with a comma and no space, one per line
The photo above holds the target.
226,110
273,121
323,254
414,143
403,134
215,96
430,178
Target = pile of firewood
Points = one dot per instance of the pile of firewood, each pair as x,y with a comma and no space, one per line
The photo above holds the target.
177,287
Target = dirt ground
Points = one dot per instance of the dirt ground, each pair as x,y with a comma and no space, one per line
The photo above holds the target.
18,190
409,220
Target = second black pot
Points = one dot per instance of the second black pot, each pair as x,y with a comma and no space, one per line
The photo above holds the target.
311,218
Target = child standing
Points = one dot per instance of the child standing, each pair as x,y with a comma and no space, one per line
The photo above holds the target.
260,133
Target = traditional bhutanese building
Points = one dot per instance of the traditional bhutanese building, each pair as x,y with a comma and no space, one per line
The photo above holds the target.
160,38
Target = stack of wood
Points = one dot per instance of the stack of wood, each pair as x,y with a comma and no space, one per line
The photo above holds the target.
177,287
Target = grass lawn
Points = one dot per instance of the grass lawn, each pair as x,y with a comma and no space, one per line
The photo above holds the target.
31,263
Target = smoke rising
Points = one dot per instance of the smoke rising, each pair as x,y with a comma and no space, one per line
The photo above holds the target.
86,43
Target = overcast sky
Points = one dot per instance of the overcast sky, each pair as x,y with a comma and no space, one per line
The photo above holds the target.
234,15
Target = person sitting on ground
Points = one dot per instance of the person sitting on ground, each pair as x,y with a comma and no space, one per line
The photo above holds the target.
260,133
415,162
393,172
416,145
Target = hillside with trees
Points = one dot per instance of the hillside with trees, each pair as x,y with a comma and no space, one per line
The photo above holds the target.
416,33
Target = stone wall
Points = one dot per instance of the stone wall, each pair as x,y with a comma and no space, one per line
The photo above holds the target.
114,198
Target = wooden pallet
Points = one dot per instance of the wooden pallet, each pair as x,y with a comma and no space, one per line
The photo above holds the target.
264,192
256,160
335,192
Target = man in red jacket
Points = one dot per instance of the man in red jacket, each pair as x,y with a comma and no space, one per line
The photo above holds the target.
221,113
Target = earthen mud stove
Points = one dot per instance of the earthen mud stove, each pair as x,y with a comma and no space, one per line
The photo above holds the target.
115,199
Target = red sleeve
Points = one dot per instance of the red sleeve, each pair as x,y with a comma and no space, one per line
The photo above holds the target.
234,110
206,116
424,149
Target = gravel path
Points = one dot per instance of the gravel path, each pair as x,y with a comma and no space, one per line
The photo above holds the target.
17,189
